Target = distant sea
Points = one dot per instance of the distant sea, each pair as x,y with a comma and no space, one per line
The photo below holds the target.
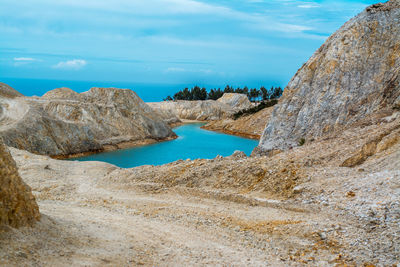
147,92
38,87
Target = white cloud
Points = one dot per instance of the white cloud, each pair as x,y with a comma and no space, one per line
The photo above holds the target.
182,70
24,59
140,7
293,27
74,64
309,5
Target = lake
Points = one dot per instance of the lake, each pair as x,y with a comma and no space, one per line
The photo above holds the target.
192,143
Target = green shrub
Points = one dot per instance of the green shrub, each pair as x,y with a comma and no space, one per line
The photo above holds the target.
261,106
302,141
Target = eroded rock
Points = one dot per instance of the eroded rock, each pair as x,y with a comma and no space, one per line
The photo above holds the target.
65,122
234,100
17,204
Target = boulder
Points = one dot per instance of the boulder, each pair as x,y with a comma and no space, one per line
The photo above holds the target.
235,101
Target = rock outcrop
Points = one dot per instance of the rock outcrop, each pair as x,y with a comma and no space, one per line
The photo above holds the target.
250,126
17,204
355,73
8,91
63,122
235,101
202,110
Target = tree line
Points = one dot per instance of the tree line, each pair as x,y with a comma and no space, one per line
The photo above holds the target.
197,93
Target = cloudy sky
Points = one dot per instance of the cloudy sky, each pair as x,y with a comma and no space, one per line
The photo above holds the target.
240,42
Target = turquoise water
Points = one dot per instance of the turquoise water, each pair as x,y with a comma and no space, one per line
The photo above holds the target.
192,143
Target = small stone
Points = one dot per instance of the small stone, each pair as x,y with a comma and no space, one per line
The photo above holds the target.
350,194
22,254
322,235
298,189
238,154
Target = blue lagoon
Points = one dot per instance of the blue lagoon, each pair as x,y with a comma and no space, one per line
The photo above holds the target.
192,143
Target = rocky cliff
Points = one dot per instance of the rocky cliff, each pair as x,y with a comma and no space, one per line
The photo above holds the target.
206,110
355,73
17,204
63,122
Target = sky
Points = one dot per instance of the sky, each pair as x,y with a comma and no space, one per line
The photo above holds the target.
242,42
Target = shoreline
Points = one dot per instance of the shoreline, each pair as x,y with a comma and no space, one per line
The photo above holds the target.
149,141
114,147
235,133
184,121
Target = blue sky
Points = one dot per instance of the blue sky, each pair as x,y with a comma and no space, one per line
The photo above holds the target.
247,42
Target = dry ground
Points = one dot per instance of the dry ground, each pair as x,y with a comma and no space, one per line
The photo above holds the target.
294,208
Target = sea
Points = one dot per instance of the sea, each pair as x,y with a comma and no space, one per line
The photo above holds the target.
147,92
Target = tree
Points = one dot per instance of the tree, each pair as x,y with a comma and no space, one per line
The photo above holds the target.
195,93
203,94
228,89
214,94
276,93
254,94
264,93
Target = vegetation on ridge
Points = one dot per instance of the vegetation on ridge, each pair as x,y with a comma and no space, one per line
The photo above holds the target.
252,110
197,93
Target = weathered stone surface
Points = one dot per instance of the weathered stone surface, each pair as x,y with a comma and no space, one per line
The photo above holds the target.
207,110
63,122
17,204
238,155
355,73
7,91
62,93
236,101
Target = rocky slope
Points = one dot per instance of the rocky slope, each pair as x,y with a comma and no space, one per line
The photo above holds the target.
17,204
63,122
250,126
356,72
206,110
